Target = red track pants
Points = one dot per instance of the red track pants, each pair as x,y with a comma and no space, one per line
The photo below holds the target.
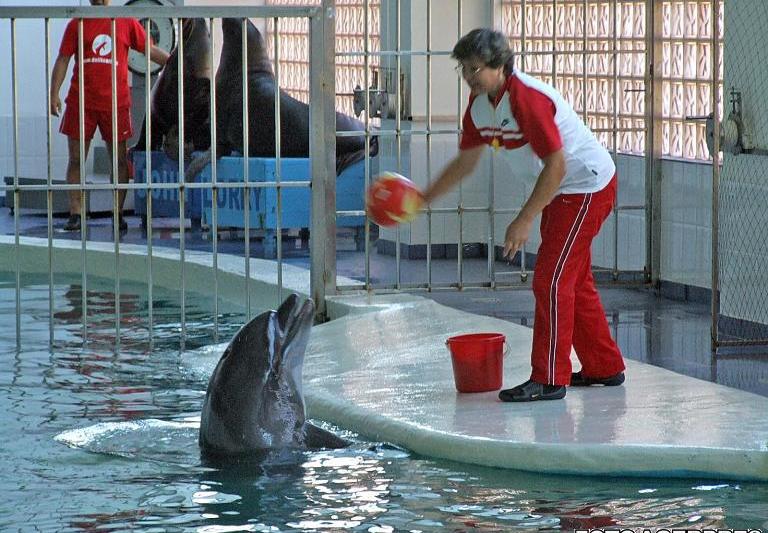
568,308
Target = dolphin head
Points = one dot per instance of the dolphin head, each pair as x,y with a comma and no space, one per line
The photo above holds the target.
254,400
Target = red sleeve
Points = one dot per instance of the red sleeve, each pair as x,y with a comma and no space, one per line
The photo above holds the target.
68,45
138,36
470,137
535,114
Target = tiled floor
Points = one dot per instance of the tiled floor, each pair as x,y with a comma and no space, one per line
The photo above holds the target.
668,333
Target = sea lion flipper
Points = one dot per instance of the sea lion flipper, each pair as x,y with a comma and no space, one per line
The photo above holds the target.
196,166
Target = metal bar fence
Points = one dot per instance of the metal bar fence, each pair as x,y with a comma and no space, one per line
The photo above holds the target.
396,130
322,166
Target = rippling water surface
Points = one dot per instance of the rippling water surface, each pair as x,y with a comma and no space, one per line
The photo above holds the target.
102,435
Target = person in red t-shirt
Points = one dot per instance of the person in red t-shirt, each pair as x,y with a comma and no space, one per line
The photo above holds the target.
97,90
547,144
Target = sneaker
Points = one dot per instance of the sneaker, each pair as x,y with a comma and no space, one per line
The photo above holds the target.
72,223
577,380
531,391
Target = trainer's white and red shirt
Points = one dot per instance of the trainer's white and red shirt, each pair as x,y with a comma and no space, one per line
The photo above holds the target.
97,60
529,121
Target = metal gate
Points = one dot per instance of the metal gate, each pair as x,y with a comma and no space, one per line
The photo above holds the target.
24,23
740,242
593,52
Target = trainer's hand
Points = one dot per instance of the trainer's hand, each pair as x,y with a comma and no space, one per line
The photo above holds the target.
516,236
411,207
55,105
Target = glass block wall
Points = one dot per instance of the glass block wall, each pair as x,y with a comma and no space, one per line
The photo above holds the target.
569,43
350,38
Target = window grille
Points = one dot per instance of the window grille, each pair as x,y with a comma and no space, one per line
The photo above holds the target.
580,46
350,37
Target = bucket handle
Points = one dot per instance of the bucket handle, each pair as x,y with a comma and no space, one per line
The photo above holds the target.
505,351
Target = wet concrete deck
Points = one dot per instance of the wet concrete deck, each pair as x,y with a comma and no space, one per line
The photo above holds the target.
383,371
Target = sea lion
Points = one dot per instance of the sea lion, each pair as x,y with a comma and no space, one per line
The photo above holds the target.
294,114
197,95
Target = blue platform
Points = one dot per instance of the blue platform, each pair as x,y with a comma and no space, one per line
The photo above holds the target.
165,202
230,207
296,201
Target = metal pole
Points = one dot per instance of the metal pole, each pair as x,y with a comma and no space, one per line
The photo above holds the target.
278,163
554,43
322,151
81,125
367,170
584,64
653,139
715,301
246,169
429,140
16,191
524,45
116,212
523,36
181,182
49,168
460,225
214,181
491,246
398,131
148,177
615,134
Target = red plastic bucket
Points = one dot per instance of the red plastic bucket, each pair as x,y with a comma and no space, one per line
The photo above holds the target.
478,361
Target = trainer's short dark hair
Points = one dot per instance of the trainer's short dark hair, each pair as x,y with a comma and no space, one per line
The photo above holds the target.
489,46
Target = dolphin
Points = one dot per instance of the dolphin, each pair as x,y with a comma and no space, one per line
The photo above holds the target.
197,95
254,404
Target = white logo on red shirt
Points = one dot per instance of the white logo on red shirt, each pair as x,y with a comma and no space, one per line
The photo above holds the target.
102,45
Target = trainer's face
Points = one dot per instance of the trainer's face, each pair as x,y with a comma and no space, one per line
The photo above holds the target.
480,77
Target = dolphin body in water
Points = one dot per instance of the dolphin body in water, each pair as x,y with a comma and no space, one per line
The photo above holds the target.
254,404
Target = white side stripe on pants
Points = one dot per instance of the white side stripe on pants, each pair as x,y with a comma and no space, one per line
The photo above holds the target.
564,253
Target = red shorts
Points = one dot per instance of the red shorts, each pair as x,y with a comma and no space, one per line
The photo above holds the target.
93,118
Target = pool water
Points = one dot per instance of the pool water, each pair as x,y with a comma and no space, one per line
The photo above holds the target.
98,434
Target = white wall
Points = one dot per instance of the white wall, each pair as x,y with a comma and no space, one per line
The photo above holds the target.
31,95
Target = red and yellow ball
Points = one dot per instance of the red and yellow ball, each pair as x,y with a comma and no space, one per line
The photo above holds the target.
393,199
